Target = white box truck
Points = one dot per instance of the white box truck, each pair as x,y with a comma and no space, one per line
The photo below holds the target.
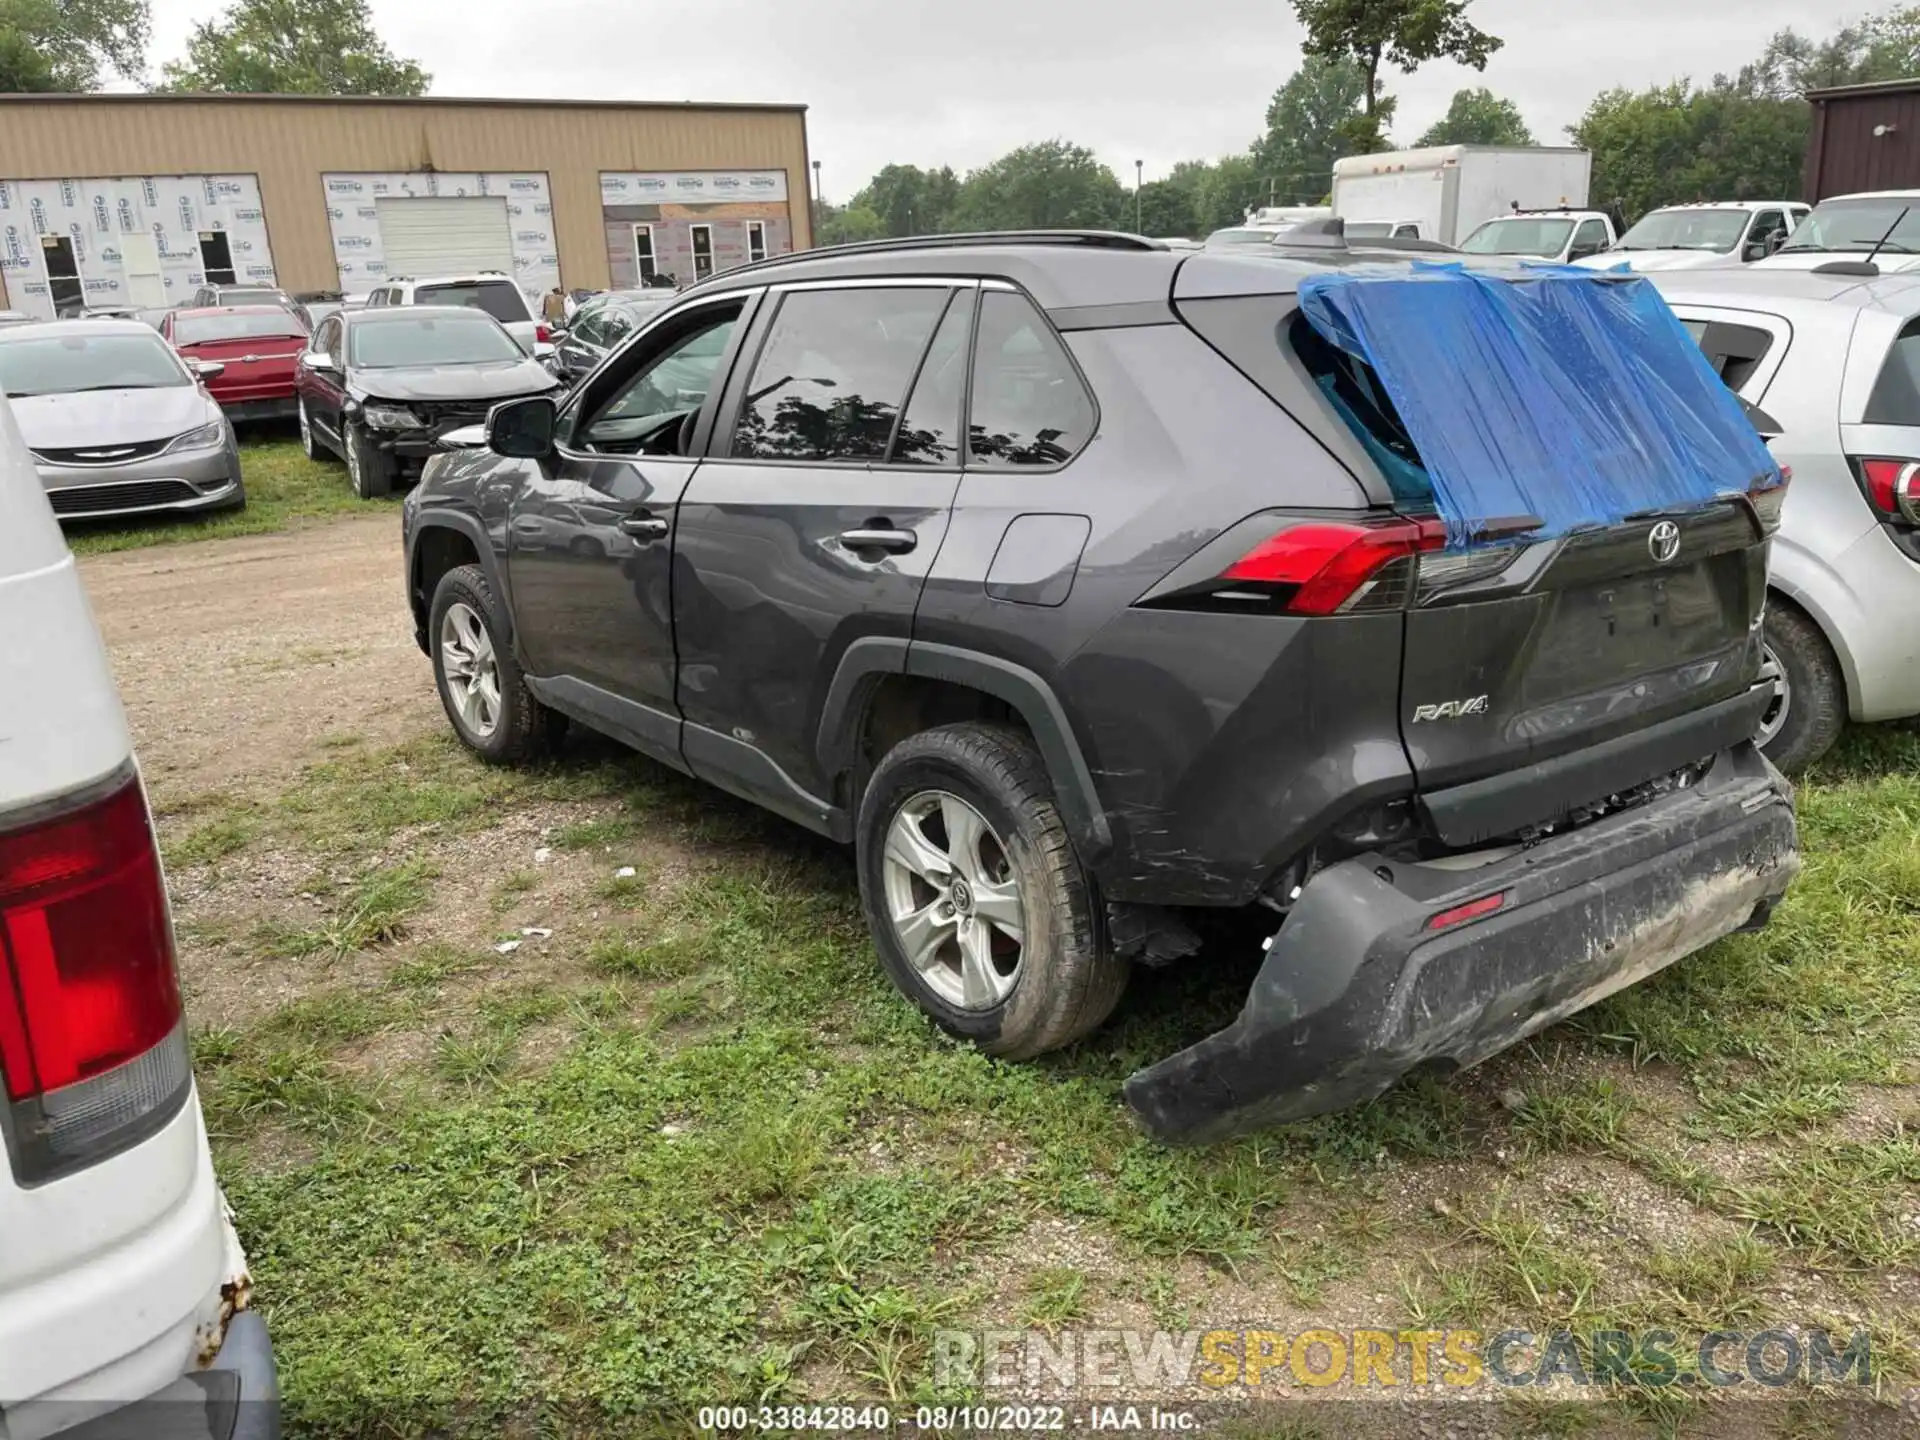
1445,192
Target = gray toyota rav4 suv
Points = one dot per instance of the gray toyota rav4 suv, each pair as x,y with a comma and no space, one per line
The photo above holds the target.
1059,575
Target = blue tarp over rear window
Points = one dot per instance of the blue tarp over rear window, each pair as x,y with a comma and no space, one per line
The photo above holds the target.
1564,394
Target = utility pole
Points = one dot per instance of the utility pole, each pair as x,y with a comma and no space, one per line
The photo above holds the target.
1138,169
818,201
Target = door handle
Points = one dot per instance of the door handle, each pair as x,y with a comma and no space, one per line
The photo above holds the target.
894,542
644,526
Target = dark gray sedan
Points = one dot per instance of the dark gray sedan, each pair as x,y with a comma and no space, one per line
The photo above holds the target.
117,422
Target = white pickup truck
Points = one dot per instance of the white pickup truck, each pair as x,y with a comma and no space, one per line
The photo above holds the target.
124,1294
1551,235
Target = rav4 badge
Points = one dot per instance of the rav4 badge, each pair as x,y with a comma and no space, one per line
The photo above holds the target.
1451,709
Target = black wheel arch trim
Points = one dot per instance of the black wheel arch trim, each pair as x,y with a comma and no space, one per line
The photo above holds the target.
869,659
469,527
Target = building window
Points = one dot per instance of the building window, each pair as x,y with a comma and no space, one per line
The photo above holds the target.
702,251
644,262
756,240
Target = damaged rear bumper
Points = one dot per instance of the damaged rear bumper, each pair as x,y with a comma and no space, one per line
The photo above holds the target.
1359,988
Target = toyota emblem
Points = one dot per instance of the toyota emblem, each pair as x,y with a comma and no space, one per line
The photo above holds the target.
1663,541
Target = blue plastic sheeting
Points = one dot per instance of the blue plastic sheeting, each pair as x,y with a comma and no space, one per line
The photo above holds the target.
1567,394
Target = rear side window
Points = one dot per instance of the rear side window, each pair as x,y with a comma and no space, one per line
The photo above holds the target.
1734,351
1896,394
930,430
834,372
498,298
1355,392
1029,404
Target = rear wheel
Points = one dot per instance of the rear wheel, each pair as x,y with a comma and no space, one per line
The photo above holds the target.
480,682
978,905
1809,706
369,467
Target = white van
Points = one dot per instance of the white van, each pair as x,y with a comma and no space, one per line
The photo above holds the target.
123,1290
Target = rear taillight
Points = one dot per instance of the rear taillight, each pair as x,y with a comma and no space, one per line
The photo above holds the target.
542,334
1322,567
93,1052
1892,486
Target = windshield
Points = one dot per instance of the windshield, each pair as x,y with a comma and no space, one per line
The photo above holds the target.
1860,225
61,364
199,329
250,295
1242,237
498,298
1717,230
1519,236
429,340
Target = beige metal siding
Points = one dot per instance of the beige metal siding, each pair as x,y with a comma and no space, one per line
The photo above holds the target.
289,143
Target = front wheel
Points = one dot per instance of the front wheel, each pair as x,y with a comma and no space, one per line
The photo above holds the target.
369,467
978,905
480,682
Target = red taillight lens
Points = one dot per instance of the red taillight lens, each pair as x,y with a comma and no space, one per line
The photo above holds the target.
88,949
542,334
1769,501
1472,910
91,1040
1893,487
1329,563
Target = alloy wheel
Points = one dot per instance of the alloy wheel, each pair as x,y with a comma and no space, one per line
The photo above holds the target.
1774,718
953,900
472,669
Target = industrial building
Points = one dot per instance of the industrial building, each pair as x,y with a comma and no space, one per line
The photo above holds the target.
137,200
1865,137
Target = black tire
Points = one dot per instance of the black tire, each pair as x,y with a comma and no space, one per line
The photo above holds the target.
524,729
1814,690
369,467
1067,978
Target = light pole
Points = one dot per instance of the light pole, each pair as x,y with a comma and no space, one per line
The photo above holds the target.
818,201
1139,167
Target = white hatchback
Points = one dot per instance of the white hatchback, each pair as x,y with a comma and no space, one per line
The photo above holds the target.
122,1283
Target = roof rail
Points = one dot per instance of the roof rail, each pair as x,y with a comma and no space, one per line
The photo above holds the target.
1091,239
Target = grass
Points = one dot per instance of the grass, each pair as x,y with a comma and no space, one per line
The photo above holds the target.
697,1151
284,490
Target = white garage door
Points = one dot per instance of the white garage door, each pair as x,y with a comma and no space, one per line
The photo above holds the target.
445,234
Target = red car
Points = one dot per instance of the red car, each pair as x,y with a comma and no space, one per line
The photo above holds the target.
258,344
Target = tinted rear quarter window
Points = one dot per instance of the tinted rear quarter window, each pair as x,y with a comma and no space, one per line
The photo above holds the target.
1030,406
1734,351
497,297
1896,394
833,373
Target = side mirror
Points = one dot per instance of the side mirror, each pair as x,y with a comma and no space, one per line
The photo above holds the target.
522,429
208,369
1757,250
317,360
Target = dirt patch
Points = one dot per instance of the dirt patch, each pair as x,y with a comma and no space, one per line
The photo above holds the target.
237,659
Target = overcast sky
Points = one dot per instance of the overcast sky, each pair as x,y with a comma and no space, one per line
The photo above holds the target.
957,82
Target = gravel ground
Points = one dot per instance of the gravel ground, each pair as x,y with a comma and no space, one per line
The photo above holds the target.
236,659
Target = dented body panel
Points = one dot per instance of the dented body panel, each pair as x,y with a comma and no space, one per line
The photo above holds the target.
1358,989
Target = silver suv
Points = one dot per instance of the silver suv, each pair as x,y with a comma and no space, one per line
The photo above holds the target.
1835,360
488,290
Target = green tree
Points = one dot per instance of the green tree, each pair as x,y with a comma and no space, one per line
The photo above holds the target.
1222,190
845,225
294,47
911,201
66,44
1880,47
1676,143
1407,33
1479,117
1166,208
1050,186
1310,124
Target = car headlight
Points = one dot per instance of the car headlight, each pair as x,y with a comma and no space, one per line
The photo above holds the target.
207,437
389,417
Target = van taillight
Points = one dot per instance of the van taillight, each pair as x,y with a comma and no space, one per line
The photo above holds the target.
93,1048
1893,487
